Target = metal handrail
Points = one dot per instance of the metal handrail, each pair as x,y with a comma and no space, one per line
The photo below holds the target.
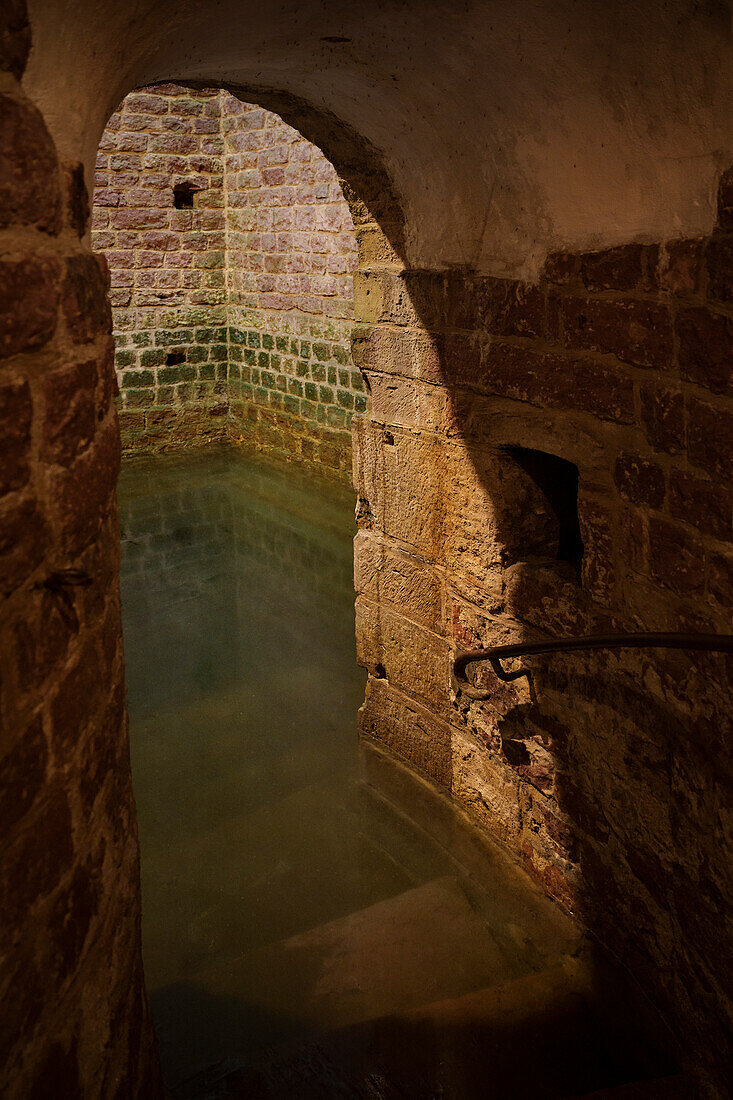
719,643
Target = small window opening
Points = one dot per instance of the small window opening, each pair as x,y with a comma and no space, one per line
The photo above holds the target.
380,671
558,481
173,358
183,195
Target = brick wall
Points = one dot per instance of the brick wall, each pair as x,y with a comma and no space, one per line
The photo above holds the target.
233,317
609,776
167,265
292,254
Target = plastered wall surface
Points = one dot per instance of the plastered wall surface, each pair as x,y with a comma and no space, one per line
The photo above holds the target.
231,253
588,129
507,131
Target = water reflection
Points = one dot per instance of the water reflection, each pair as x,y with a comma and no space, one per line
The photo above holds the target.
293,882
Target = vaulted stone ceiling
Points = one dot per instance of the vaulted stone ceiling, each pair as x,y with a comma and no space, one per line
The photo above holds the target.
507,128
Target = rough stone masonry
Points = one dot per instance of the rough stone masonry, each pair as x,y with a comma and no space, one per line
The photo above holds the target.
231,253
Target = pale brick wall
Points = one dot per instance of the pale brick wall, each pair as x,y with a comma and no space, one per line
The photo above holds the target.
232,318
291,258
167,265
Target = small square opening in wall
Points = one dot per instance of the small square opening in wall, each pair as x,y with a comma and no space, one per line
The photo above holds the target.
184,193
173,358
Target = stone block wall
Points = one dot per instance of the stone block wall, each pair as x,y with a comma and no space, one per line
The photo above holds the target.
607,774
74,1018
233,314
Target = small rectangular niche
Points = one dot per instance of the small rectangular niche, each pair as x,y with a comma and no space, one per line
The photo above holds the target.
557,479
173,358
184,194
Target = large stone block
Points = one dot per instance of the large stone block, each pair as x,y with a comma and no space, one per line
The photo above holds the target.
407,655
637,332
410,731
486,788
399,477
29,303
410,354
70,411
407,403
704,355
23,540
15,435
472,547
30,191
81,494
84,300
390,576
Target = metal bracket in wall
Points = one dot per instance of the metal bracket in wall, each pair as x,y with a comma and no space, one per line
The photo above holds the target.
717,643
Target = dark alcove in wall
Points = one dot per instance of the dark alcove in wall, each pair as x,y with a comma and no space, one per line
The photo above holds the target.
558,481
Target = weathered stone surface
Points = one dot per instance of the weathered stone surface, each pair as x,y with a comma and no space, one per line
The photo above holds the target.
15,435
29,179
559,381
398,477
408,656
486,788
705,349
639,481
636,332
29,303
72,706
22,775
23,541
675,558
680,266
81,493
622,268
390,576
413,733
705,505
84,299
663,417
70,413
710,437
34,863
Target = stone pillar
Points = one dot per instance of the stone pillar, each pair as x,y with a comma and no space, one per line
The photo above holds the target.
74,1017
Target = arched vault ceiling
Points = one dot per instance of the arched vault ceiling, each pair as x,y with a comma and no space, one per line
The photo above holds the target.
507,127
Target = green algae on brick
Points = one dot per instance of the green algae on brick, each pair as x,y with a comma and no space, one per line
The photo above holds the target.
131,379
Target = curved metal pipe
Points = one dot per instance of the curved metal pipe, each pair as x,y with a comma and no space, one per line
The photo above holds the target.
719,643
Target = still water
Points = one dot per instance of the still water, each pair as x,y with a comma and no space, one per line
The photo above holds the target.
295,882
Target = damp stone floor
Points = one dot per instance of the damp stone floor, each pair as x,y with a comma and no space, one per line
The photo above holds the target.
317,922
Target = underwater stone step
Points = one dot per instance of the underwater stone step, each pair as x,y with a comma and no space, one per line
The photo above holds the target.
422,945
270,872
503,894
534,1036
